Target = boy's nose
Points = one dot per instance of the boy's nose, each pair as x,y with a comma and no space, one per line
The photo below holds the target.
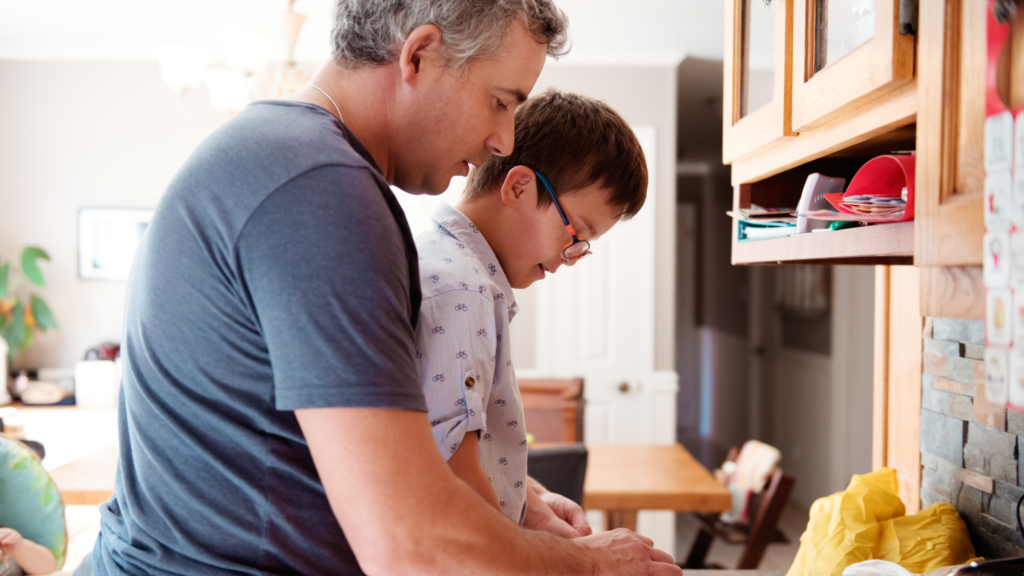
569,261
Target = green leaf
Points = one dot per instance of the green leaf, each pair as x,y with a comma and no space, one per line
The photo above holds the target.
27,340
14,332
44,317
30,257
4,269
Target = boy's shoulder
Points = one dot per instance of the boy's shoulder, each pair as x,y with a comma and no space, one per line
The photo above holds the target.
447,264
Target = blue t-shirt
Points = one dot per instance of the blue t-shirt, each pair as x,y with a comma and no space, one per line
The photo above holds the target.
278,273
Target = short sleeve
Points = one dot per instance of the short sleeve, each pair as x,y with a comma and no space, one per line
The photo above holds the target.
325,267
455,342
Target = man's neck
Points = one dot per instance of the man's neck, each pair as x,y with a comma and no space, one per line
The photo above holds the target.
364,96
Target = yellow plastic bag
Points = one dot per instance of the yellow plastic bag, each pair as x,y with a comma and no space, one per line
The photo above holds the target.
868,521
932,538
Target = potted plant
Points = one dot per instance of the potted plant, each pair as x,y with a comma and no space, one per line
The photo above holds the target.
23,313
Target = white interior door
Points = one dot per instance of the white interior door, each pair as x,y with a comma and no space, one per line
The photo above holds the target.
596,320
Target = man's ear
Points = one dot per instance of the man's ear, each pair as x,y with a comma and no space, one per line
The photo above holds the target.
423,45
520,183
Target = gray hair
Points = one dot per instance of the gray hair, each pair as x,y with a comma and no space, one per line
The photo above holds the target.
369,32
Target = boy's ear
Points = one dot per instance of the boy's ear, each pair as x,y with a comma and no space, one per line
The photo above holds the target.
424,43
520,183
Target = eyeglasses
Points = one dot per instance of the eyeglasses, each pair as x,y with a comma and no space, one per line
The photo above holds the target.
579,248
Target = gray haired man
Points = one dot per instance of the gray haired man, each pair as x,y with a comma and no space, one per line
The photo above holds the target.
270,417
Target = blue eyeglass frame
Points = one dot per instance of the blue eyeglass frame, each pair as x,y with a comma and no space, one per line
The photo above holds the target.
576,238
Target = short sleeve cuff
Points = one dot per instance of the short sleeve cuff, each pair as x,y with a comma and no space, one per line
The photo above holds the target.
469,417
341,396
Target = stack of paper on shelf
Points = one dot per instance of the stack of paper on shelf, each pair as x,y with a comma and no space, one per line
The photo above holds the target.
758,223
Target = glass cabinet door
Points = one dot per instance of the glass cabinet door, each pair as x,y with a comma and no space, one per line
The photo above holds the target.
842,25
846,53
758,65
758,59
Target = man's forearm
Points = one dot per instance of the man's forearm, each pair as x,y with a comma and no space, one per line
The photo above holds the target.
405,512
487,543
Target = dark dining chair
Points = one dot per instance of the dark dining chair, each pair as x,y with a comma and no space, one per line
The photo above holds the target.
561,469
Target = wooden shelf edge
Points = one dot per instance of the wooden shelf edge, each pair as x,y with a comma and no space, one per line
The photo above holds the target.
874,118
877,244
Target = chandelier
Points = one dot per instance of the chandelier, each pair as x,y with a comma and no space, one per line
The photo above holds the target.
258,62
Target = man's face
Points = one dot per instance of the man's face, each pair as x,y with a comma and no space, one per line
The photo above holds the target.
457,118
532,239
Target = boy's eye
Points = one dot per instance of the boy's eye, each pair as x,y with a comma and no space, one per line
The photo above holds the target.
501,104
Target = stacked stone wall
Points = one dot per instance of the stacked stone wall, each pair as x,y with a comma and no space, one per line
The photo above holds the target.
970,449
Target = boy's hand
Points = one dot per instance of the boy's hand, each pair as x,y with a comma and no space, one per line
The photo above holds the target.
553,513
568,511
10,540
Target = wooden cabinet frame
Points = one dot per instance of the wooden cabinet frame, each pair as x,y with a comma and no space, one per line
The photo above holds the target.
878,66
951,114
950,157
771,122
896,437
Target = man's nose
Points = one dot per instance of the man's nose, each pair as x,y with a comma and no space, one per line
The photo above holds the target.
501,141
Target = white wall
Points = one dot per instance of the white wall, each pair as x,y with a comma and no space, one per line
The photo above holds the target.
83,135
602,30
818,407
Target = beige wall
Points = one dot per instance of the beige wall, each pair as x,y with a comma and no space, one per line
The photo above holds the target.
76,135
110,134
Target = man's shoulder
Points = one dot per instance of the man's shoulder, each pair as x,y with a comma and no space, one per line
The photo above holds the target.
276,147
276,140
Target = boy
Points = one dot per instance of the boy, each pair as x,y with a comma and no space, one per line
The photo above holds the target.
576,170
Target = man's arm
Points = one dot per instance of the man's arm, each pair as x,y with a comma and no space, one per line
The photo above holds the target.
404,512
465,464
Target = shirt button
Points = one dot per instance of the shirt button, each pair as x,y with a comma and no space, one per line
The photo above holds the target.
470,382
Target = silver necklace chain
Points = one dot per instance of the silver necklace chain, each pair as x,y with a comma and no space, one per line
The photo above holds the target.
329,98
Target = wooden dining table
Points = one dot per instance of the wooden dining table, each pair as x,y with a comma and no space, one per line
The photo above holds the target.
88,481
622,480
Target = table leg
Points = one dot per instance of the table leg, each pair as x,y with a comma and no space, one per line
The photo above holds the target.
620,519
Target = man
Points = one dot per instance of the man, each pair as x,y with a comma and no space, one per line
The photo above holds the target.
271,419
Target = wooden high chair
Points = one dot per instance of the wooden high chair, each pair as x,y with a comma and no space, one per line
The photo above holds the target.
765,508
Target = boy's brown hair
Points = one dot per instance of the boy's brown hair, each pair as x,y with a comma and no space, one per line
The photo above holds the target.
575,141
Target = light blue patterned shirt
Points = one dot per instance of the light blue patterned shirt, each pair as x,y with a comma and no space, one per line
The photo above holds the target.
463,350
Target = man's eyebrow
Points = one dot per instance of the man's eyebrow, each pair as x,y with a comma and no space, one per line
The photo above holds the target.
517,94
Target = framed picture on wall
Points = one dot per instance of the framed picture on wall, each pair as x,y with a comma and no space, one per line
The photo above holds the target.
107,241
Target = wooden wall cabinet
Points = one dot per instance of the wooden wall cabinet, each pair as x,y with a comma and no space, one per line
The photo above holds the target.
831,76
749,123
861,104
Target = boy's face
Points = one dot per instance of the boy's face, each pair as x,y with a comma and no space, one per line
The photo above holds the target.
529,240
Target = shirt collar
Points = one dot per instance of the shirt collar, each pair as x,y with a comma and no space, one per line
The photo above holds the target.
450,221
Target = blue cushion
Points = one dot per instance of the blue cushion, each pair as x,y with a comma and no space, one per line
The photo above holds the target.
29,500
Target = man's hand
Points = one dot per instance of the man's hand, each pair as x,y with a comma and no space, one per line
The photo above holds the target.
628,554
553,513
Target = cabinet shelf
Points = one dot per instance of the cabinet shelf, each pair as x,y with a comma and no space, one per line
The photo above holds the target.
877,244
